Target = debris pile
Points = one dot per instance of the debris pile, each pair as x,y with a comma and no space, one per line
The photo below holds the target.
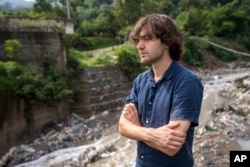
228,125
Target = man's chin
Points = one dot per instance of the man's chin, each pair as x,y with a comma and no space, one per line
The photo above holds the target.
145,62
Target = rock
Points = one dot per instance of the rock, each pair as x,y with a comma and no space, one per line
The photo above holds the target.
227,124
7,157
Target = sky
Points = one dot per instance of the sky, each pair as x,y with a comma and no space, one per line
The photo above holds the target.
18,3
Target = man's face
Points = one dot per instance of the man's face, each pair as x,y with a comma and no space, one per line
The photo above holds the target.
151,49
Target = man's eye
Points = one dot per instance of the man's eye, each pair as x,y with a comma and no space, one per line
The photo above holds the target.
146,38
135,40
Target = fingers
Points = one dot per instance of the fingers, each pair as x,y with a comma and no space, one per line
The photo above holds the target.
130,108
170,138
174,142
174,146
130,112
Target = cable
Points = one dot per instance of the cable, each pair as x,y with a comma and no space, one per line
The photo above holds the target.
230,50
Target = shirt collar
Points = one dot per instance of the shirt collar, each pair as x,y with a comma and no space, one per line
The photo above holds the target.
168,73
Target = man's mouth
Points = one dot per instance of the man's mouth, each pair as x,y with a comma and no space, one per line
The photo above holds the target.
143,54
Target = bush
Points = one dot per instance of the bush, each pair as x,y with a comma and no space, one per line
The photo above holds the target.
75,60
106,58
193,57
12,47
128,60
223,54
244,39
91,43
18,80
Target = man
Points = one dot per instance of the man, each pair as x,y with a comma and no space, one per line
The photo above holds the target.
164,104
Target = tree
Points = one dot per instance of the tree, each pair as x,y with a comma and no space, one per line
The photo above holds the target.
196,22
129,11
42,6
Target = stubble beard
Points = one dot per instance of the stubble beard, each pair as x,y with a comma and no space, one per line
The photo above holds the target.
152,60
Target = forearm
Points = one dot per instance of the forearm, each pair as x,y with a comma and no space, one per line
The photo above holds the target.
135,132
132,131
170,147
166,138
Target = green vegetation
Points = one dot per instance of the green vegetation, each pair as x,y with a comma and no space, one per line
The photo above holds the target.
193,57
45,83
223,55
107,23
128,60
104,23
12,46
92,43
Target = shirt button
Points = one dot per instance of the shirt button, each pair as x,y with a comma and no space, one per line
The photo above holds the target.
147,121
150,102
142,156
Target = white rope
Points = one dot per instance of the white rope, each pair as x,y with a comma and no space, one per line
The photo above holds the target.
230,50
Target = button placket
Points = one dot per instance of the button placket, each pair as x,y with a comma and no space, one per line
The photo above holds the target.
150,103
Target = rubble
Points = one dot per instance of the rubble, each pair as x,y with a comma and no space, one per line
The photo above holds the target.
227,128
74,131
96,142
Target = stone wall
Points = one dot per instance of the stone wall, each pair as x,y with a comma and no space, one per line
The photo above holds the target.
101,89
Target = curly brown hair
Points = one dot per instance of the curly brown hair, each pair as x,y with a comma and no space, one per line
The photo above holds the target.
164,28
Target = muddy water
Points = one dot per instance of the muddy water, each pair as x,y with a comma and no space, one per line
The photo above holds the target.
123,151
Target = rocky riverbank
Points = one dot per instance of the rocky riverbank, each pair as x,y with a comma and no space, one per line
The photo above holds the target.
228,127
73,132
94,141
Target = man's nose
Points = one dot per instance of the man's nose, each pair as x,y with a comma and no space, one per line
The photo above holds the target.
140,44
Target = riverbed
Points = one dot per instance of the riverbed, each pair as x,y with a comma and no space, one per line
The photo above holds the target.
222,128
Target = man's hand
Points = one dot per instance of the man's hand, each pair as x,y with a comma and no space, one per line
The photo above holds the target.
168,138
130,112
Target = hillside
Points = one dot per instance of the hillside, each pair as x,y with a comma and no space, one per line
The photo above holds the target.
16,3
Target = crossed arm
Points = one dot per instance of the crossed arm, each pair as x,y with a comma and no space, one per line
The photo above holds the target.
167,139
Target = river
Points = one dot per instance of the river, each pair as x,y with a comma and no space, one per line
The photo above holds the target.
117,151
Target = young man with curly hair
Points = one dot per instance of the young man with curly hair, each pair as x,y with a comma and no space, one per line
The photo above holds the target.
164,104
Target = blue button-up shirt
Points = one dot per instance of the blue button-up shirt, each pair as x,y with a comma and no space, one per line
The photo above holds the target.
176,96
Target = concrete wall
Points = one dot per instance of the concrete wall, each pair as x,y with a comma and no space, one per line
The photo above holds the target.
15,129
35,45
38,38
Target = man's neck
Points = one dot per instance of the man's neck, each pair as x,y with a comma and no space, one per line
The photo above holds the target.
160,68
